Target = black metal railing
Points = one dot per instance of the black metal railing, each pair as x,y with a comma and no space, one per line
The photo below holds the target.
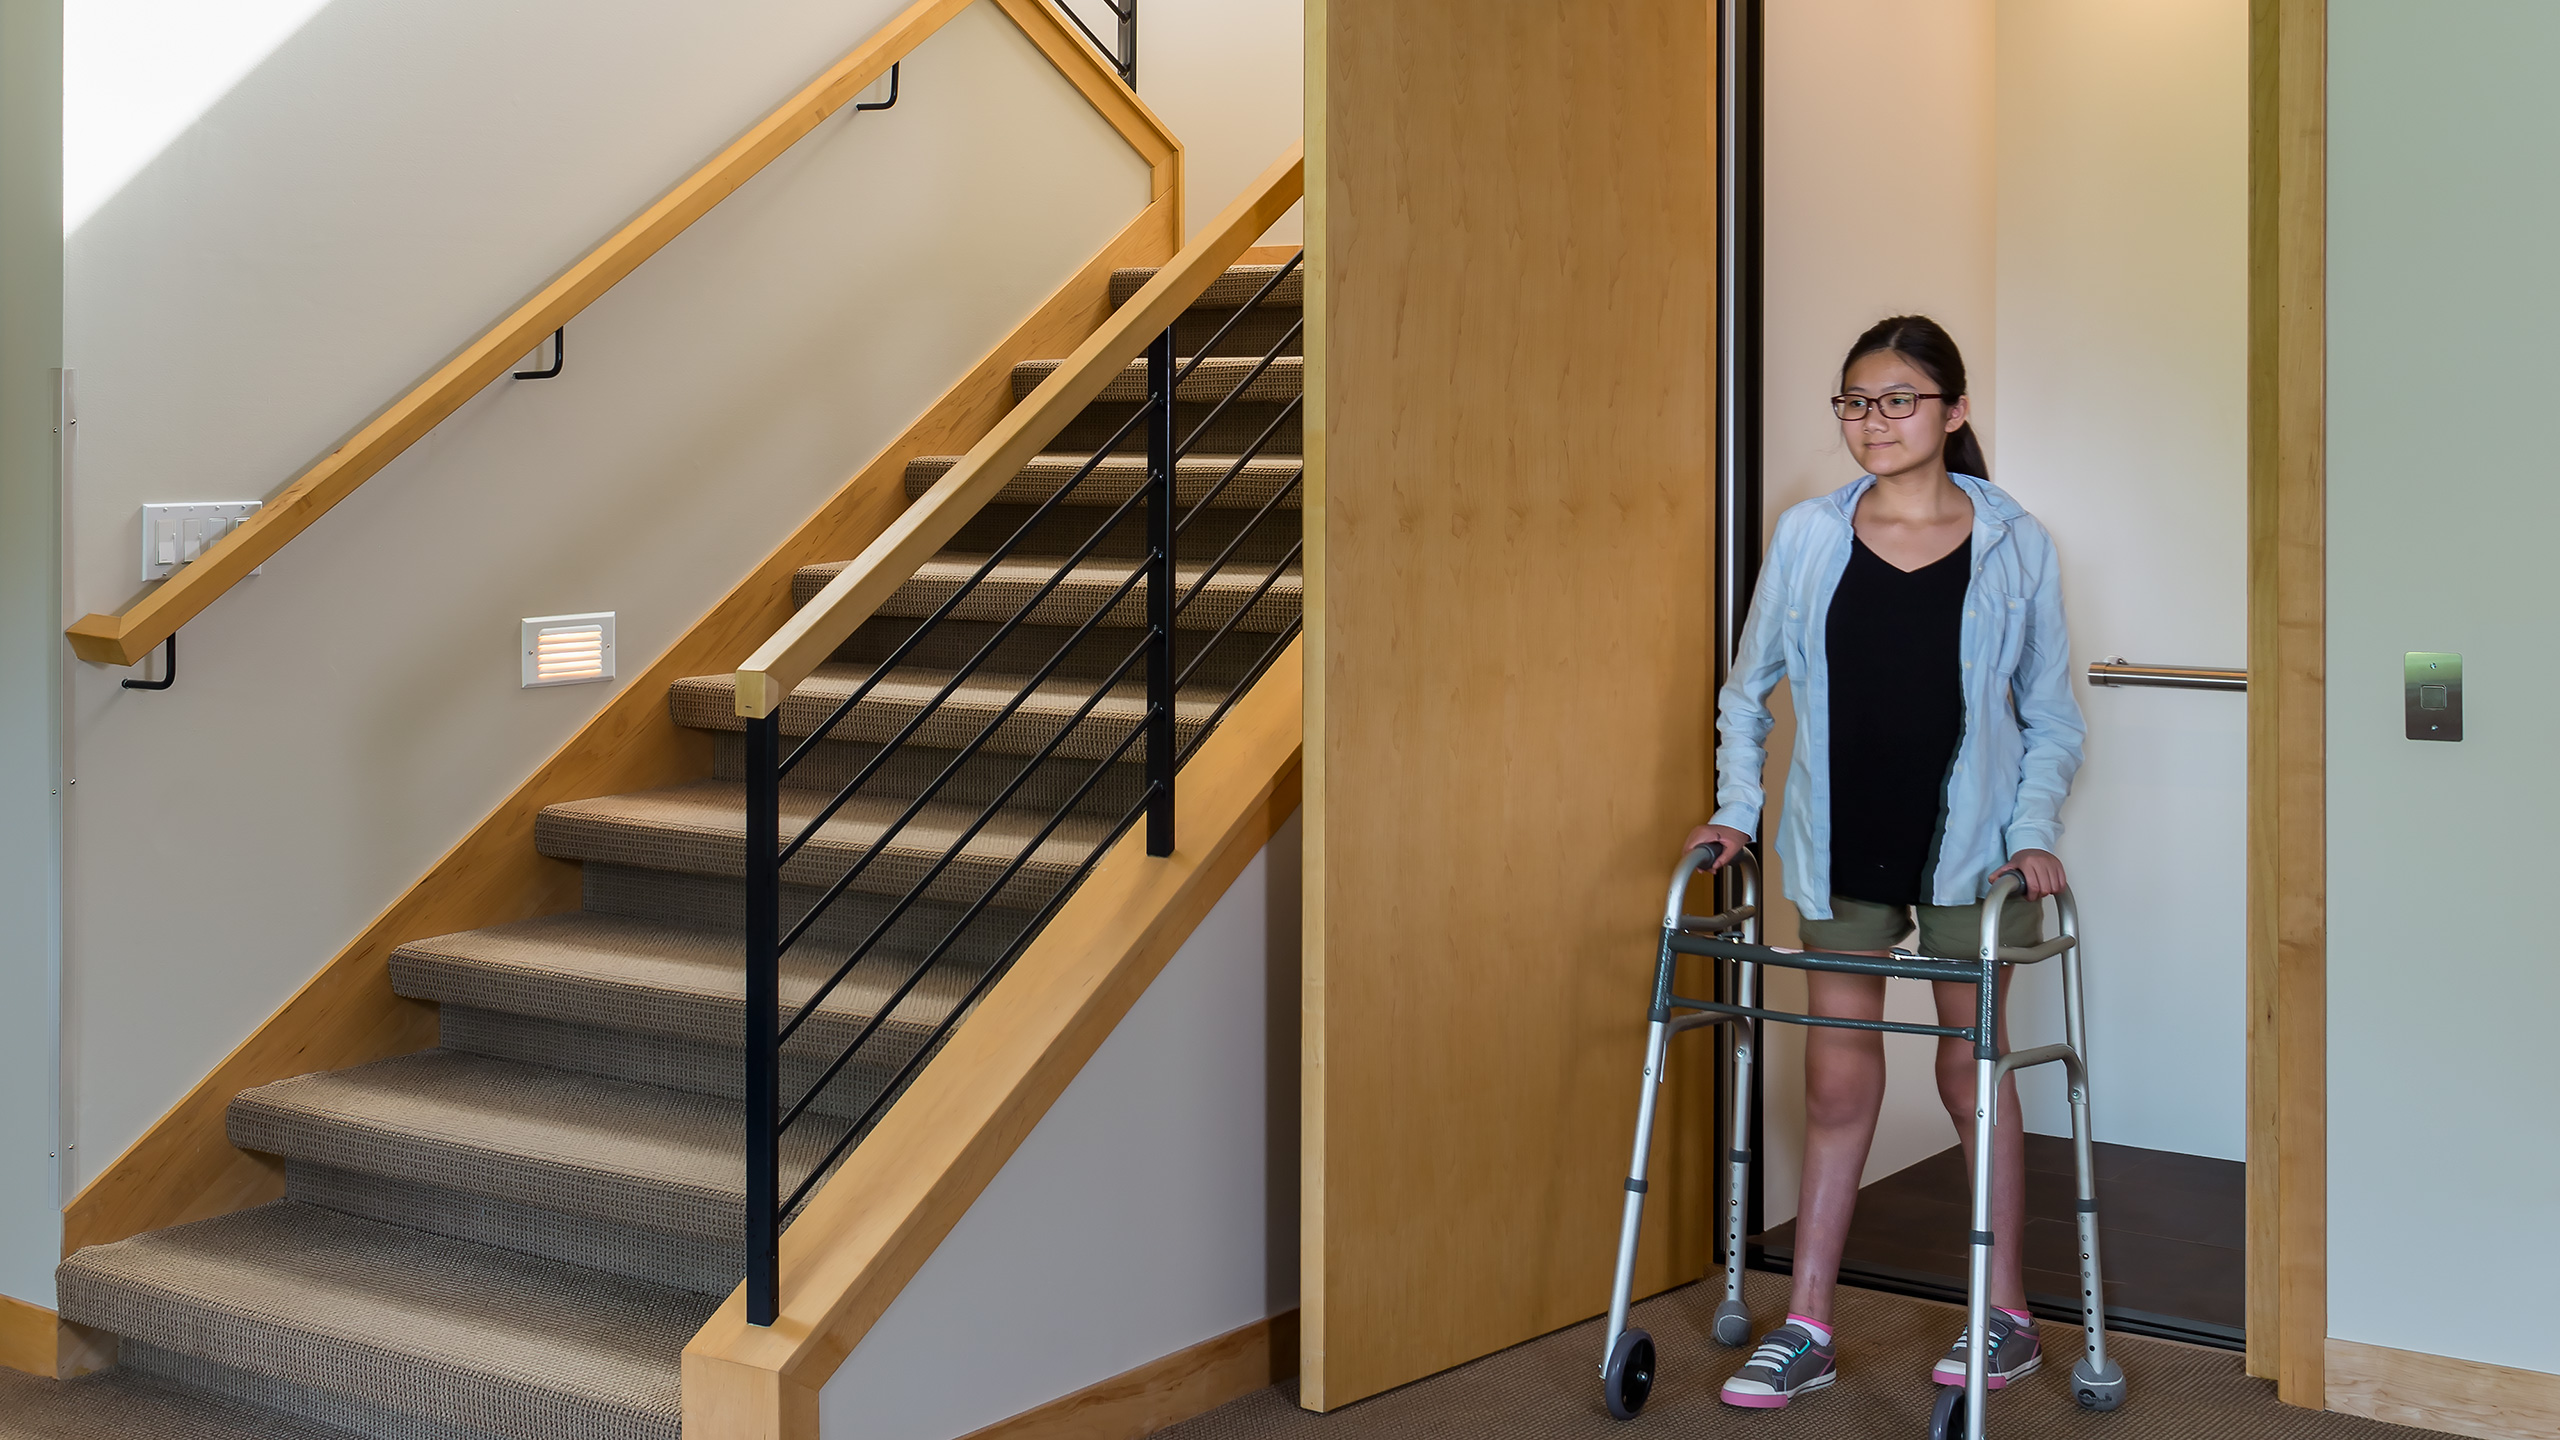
1065,784
1123,55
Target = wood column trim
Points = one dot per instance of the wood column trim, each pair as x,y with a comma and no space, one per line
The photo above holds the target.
1510,424
2288,1309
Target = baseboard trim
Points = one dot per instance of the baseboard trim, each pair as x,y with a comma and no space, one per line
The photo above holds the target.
1178,1387
35,1341
26,1337
2434,1392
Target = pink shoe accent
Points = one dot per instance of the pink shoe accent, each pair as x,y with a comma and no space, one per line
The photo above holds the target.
1756,1402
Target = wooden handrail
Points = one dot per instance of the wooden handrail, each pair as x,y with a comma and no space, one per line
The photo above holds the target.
125,638
861,588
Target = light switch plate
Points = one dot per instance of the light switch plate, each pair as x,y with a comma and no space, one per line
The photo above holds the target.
174,535
2431,685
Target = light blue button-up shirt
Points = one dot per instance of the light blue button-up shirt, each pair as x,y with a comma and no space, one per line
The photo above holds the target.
2022,728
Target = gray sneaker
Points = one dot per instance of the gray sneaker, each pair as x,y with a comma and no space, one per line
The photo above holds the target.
1788,1363
2014,1353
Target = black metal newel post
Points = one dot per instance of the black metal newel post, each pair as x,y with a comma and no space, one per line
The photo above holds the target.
764,1063
1159,719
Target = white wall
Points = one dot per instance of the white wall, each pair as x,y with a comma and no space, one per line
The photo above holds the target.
1154,1207
1225,75
2123,325
30,639
1880,202
2444,1156
364,199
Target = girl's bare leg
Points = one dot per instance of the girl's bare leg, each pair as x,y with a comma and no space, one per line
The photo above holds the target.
1843,1089
1956,1005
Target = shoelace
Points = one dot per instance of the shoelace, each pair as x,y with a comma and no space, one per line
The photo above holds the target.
2002,1327
1777,1354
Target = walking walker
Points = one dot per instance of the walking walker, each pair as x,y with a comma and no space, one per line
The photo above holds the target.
1627,1367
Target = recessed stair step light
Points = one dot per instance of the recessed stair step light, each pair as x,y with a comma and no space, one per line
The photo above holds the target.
568,649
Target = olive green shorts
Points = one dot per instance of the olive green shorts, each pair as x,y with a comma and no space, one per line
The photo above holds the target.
1947,932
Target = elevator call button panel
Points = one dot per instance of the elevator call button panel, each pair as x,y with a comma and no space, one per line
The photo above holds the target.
2432,695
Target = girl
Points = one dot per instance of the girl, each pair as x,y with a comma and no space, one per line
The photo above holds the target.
1917,615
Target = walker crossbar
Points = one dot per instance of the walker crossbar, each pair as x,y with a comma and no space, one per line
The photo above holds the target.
1627,1365
1896,965
1826,1022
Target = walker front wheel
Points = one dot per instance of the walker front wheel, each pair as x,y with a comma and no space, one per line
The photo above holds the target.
1947,1421
1628,1378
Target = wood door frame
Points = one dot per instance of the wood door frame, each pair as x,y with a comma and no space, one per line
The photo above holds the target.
2288,1307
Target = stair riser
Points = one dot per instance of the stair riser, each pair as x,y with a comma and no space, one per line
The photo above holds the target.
706,1264
673,1063
1119,477
1239,285
719,903
351,1412
967,719
648,1203
1035,641
469,987
1246,378
1074,602
954,643
1065,530
980,778
1239,426
983,777
1252,336
577,836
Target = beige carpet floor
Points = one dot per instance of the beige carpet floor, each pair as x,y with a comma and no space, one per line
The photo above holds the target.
1551,1387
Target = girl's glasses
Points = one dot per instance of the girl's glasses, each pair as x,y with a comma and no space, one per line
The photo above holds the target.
1900,405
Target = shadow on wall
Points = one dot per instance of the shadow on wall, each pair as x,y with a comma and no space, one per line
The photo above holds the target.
367,198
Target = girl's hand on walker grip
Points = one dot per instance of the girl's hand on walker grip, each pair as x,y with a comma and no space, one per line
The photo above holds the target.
1727,840
2040,871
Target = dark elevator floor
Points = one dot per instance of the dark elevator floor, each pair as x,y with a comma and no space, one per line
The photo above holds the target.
2170,1233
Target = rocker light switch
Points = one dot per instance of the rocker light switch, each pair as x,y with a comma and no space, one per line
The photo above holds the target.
175,535
2432,695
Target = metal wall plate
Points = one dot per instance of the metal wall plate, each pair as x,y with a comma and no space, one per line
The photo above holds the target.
2432,694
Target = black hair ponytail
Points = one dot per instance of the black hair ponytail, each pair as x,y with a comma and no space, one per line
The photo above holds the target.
1926,344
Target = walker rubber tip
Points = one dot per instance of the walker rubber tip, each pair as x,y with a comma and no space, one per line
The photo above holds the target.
2097,1389
1732,1324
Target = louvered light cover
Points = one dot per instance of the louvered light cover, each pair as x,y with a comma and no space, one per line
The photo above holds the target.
568,649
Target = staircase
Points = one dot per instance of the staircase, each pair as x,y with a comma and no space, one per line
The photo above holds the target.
514,1235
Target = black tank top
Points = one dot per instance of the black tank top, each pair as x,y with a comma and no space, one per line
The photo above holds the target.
1897,715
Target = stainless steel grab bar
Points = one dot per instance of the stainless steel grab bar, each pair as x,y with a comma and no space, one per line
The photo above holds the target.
2114,671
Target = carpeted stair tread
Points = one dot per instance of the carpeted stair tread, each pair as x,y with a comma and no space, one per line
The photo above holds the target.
620,973
548,1139
704,702
1226,292
462,1333
700,827
123,1405
1119,476
1015,580
1210,381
